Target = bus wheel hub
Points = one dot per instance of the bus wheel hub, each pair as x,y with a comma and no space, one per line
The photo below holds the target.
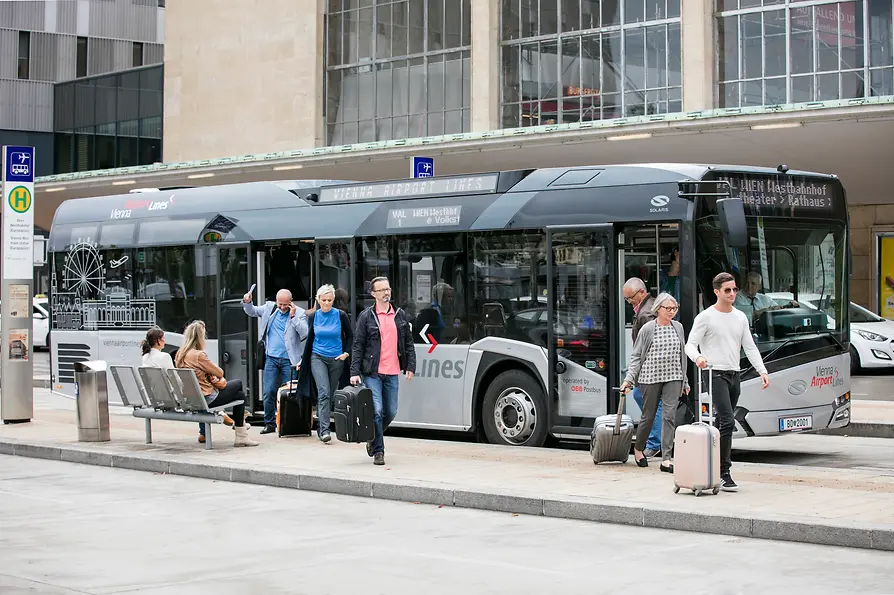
515,415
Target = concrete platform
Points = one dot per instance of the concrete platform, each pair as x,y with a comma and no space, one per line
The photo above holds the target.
843,507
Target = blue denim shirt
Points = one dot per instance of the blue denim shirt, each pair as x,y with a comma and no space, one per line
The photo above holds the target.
295,332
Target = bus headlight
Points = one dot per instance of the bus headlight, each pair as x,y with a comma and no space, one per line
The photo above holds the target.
841,401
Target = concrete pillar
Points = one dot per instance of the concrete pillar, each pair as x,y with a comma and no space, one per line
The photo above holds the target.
486,68
242,80
697,32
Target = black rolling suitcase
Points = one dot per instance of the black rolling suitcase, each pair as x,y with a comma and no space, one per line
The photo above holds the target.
352,410
295,412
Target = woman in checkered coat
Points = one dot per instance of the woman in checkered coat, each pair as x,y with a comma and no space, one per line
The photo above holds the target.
658,366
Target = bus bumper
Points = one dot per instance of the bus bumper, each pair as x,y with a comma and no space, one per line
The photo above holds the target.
792,421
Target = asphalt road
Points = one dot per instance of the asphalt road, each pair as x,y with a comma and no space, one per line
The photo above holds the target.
873,386
69,528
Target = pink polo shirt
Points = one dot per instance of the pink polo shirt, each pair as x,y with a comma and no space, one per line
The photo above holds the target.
389,363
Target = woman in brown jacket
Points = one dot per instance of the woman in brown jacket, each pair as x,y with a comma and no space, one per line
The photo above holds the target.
217,390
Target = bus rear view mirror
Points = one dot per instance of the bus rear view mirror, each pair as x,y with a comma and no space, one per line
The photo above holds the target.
731,212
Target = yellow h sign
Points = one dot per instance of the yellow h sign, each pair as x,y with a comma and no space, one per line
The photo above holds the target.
20,199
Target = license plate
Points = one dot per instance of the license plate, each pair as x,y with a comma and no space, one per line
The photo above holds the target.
791,424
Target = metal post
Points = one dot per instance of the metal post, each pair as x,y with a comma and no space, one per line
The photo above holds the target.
207,436
148,431
17,349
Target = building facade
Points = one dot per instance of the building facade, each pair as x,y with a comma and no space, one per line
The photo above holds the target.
43,42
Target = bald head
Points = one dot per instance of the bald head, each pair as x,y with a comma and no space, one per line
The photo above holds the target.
284,299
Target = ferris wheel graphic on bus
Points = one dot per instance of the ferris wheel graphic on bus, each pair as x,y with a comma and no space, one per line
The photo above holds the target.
83,271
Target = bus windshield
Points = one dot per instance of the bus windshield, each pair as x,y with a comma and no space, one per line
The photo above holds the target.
791,278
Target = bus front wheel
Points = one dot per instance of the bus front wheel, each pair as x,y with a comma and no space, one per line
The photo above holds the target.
514,410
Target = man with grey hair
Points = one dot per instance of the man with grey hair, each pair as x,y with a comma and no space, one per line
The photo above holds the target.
284,331
636,294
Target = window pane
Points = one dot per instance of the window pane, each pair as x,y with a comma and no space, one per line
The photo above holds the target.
548,69
774,91
529,18
570,15
383,93
826,37
383,31
881,48
729,95
752,93
802,40
334,40
417,26
453,122
826,87
374,256
453,25
675,56
435,25
589,14
851,19
656,57
752,46
635,75
774,34
802,88
882,82
399,20
852,85
509,19
436,83
549,17
507,286
453,88
511,74
435,124
511,116
570,64
400,88
634,11
467,23
611,12
728,47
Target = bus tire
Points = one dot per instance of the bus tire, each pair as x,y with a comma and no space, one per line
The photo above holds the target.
514,410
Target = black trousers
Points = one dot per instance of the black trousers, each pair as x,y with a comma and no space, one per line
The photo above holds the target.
231,392
725,398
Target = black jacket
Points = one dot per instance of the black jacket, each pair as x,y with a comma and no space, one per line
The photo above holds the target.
306,385
368,343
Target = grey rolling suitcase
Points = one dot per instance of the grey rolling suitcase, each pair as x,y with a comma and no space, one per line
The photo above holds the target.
611,436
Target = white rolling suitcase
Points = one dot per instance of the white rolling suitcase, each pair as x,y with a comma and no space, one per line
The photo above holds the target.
697,448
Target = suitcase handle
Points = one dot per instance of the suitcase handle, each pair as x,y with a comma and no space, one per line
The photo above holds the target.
710,394
622,401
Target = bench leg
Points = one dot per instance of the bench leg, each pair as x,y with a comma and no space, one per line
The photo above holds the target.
207,436
148,431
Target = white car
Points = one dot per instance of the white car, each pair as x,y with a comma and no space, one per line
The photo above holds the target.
40,323
872,337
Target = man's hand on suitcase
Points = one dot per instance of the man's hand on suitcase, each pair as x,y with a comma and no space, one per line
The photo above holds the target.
701,362
355,380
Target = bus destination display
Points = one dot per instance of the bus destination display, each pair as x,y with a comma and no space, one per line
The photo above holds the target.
416,188
424,217
766,193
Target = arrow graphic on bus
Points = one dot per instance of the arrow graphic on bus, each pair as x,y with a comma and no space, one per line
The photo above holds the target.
428,338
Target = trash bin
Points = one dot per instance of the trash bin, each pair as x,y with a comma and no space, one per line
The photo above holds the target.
92,396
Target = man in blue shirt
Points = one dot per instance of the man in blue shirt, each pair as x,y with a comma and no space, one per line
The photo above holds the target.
284,329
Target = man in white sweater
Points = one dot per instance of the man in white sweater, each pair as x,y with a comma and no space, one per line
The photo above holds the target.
722,331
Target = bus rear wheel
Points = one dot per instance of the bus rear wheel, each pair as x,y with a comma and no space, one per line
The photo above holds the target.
514,410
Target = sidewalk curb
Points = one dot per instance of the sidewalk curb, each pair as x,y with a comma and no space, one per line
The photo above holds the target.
577,508
863,430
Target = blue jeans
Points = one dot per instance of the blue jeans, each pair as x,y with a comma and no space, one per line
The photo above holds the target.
654,441
384,390
277,371
326,372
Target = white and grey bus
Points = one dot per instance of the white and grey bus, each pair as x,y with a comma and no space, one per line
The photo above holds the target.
512,279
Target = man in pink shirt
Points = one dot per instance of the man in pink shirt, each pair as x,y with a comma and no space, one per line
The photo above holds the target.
383,347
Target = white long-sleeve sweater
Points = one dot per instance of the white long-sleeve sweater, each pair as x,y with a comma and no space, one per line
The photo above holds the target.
719,337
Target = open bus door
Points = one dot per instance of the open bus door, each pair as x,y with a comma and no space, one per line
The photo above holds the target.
234,279
581,339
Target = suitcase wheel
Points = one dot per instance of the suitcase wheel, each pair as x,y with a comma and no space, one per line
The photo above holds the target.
676,489
716,490
697,493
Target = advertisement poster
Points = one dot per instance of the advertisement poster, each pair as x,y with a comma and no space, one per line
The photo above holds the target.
886,277
20,301
19,348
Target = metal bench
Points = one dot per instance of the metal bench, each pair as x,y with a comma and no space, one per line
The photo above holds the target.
172,395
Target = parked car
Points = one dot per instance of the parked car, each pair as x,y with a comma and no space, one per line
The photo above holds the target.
40,323
872,337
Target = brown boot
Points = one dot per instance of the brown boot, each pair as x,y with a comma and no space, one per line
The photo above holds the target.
201,438
242,438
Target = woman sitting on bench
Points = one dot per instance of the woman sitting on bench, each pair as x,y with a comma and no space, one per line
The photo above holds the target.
217,390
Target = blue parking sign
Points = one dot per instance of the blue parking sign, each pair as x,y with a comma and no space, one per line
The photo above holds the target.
19,164
423,167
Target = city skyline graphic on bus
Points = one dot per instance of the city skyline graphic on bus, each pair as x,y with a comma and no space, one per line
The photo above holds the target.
83,299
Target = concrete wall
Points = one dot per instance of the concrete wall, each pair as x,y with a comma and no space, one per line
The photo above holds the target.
248,80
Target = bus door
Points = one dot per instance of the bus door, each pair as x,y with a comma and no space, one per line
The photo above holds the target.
581,338
234,280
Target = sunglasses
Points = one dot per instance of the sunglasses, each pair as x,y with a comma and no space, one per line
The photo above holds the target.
729,290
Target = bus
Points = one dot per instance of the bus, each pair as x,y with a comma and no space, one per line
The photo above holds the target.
513,282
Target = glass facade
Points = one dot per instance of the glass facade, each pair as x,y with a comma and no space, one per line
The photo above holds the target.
108,121
580,60
783,51
396,69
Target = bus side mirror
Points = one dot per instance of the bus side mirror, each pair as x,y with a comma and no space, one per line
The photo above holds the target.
731,212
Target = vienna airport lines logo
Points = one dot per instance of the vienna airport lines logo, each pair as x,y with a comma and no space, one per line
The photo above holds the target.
20,199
